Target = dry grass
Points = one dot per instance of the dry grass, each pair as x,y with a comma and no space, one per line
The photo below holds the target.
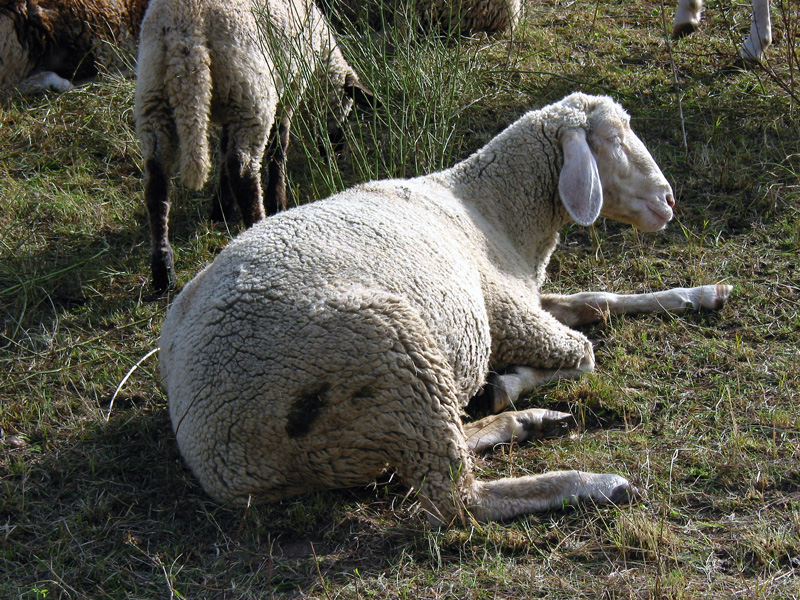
700,411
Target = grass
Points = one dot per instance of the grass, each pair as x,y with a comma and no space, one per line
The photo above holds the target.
700,411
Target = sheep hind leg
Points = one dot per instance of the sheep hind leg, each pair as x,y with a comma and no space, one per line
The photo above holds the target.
278,146
223,205
244,179
162,262
510,497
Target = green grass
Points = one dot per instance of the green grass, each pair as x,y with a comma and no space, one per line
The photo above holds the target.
700,411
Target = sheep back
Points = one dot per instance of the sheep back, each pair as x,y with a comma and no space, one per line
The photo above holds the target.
470,16
465,17
314,308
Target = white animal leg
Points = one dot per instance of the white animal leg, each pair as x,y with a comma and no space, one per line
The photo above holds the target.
687,18
588,307
524,334
760,33
503,390
46,81
517,426
506,498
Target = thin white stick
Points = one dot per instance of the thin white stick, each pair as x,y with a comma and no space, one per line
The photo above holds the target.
124,379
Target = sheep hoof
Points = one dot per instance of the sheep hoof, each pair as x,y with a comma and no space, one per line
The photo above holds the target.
492,399
609,488
723,293
714,297
540,423
164,274
681,30
624,494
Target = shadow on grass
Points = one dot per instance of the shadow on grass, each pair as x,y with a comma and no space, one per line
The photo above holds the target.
108,508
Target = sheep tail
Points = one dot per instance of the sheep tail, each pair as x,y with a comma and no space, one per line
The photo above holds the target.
189,86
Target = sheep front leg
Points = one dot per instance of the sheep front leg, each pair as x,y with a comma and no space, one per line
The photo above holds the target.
588,307
517,426
536,345
524,334
503,389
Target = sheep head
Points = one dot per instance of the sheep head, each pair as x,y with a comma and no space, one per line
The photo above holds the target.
608,171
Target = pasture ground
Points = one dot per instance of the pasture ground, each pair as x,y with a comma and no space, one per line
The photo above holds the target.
700,410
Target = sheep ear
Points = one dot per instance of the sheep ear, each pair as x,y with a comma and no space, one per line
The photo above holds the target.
579,183
360,94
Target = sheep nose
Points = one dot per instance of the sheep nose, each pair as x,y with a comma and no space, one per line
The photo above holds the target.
670,200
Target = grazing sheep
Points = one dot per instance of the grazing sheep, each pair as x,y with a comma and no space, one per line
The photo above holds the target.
45,44
238,63
464,17
468,17
347,335
687,20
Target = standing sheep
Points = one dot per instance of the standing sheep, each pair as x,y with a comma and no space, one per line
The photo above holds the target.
238,63
687,20
468,17
347,335
464,17
44,44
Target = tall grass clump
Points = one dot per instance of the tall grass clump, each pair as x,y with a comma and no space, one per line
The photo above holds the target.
423,85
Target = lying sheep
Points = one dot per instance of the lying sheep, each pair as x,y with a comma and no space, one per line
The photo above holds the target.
347,335
46,44
238,63
687,20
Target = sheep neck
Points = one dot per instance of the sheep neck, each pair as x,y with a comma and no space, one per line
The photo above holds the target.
512,183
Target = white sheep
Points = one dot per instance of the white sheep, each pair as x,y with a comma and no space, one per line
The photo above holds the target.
687,20
46,44
239,63
347,335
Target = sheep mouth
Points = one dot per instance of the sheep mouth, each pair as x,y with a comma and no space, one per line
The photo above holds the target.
655,216
662,212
